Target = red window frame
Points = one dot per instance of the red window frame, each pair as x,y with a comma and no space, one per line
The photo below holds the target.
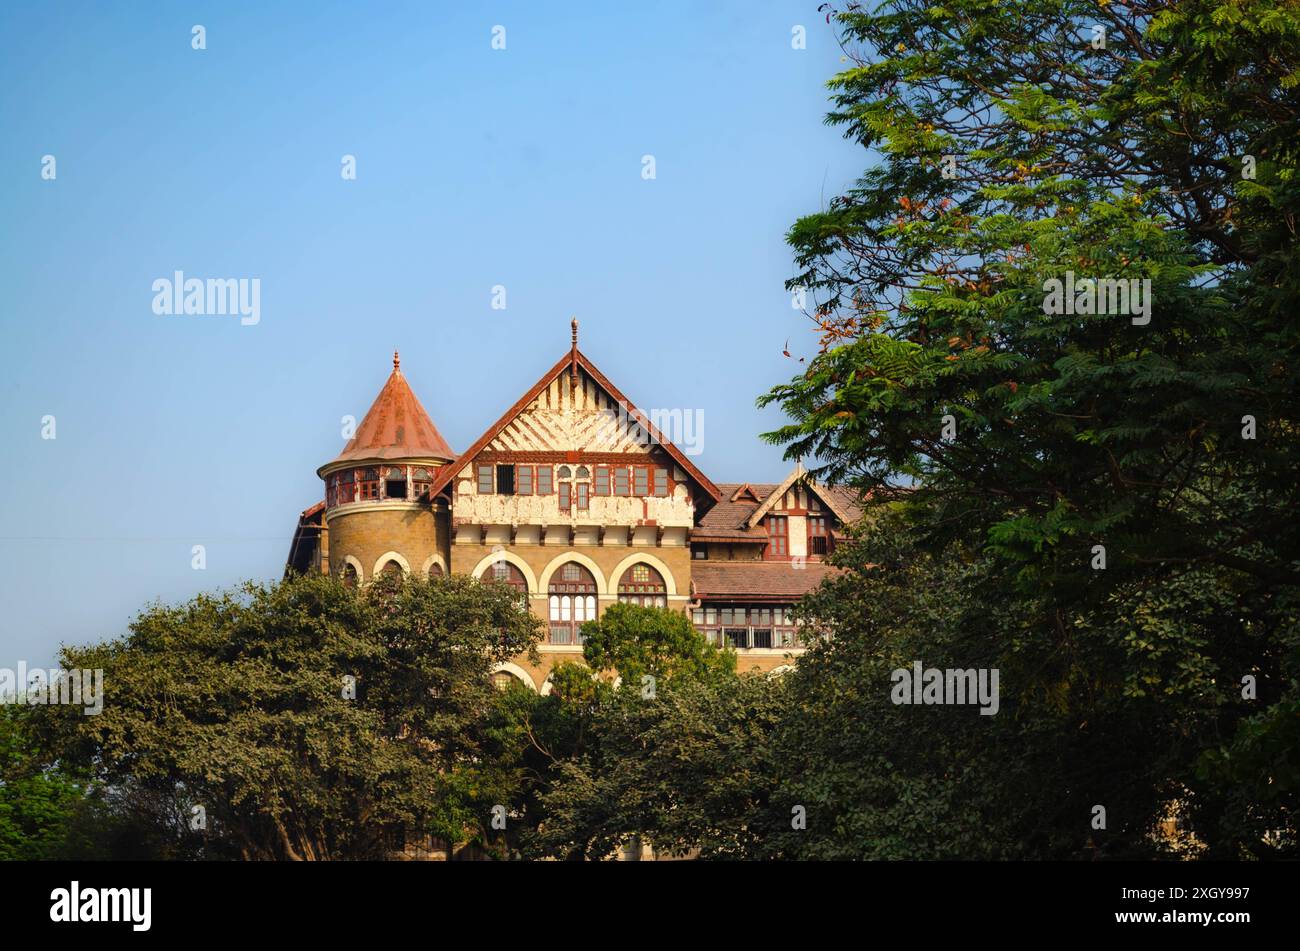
622,486
524,479
819,541
602,480
584,495
368,483
778,537
486,476
565,496
544,480
661,485
641,481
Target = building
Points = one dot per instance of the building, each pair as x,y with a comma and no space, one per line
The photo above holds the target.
576,498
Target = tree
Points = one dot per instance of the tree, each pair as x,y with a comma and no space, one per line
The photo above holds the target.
1118,478
304,720
40,803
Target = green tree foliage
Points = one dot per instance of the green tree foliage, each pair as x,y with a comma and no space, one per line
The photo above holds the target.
1012,145
656,739
43,810
238,704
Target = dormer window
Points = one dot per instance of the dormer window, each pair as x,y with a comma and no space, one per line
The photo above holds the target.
818,537
778,537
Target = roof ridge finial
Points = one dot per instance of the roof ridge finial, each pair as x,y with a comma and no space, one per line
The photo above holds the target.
397,361
573,358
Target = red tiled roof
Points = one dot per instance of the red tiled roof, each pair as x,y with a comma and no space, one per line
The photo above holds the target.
726,520
757,579
397,427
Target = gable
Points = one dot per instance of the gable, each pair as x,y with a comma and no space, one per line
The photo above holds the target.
574,409
582,418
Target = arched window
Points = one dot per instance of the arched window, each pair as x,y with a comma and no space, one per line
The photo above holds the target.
391,569
642,585
504,572
349,574
572,602
395,482
435,570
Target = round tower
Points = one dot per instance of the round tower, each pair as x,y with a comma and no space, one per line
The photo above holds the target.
380,514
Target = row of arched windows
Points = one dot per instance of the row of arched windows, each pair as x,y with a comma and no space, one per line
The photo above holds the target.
571,593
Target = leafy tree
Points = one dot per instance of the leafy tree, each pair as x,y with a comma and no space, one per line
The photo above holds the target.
242,704
615,758
636,642
1013,148
42,806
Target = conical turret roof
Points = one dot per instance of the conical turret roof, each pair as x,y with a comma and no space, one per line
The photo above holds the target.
397,427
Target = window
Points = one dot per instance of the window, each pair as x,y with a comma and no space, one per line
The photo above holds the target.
565,500
734,627
347,488
435,571
642,474
422,479
503,572
818,539
620,481
369,483
349,575
391,569
584,490
572,602
661,482
699,551
642,585
484,480
581,473
602,480
564,473
394,483
777,537
525,486
544,480
505,480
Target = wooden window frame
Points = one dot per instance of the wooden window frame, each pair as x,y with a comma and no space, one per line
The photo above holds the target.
481,471
601,485
524,476
544,486
778,542
622,482
504,469
662,483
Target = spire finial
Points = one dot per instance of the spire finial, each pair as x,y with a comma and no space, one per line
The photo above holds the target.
573,360
397,361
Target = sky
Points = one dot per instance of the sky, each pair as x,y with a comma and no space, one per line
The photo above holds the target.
475,167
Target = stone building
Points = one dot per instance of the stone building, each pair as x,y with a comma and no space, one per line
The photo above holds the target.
576,498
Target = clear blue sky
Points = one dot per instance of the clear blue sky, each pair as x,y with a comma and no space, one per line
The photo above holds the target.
475,167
